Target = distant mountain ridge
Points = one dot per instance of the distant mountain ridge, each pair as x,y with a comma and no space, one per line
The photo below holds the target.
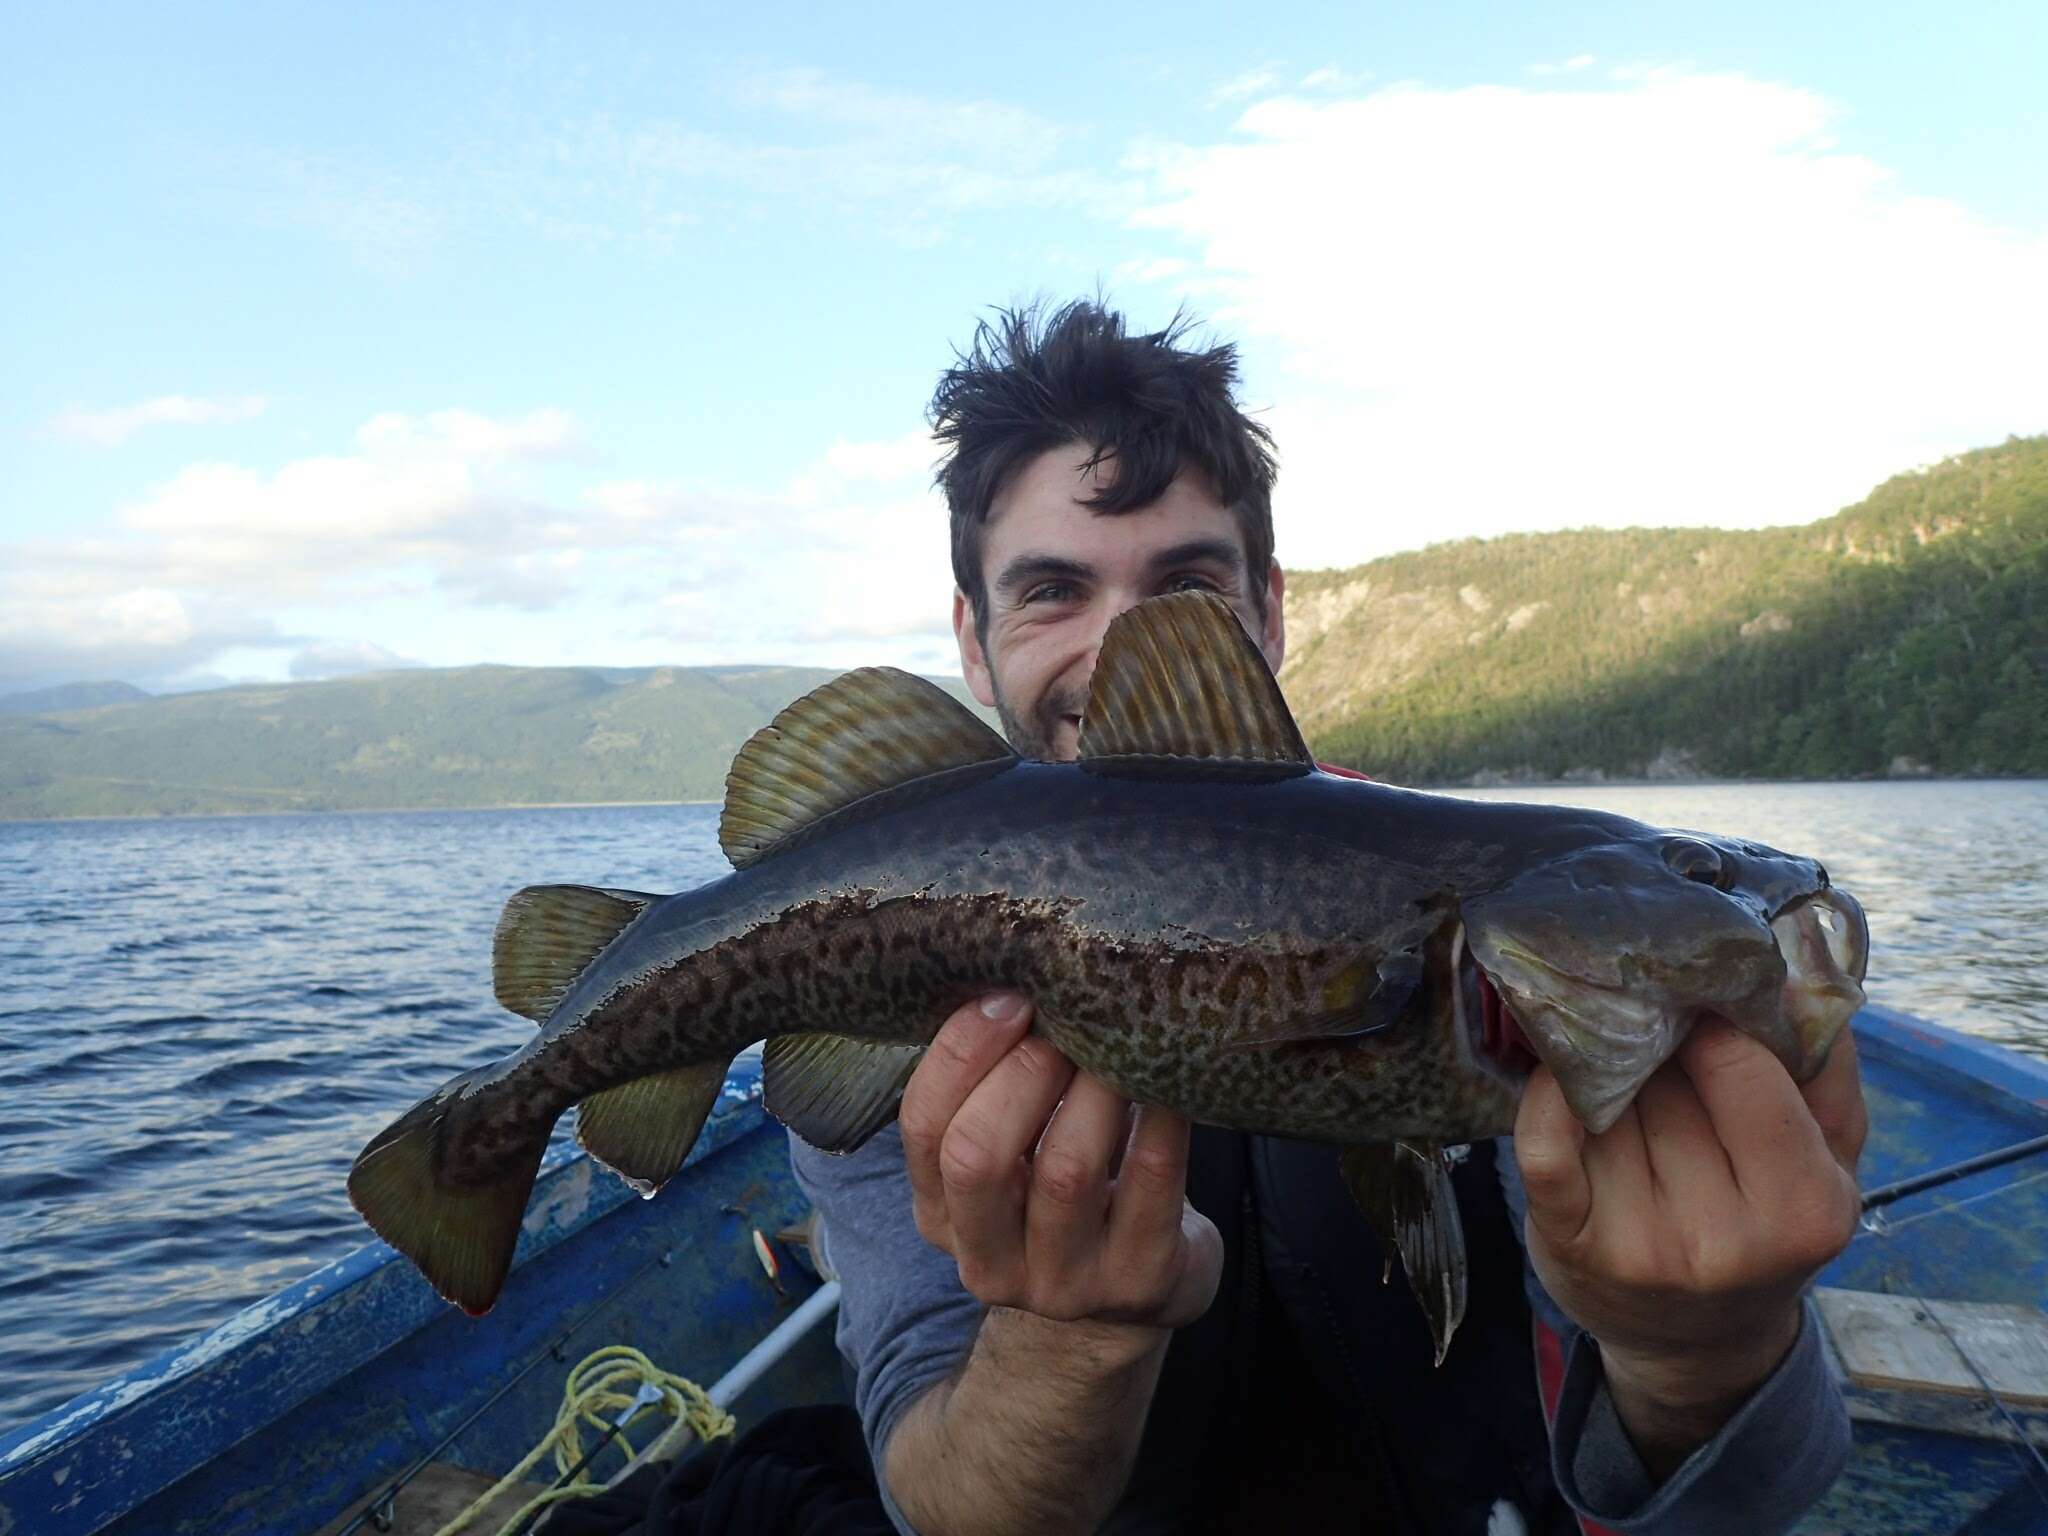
1906,634
68,696
420,738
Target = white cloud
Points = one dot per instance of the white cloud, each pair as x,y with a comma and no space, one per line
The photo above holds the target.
803,144
1571,66
197,563
1677,301
978,127
910,456
1331,78
111,427
344,658
1251,82
442,510
541,434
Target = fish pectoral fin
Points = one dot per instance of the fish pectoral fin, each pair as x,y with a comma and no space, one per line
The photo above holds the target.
1362,1000
547,937
643,1130
1405,1191
873,730
1177,685
461,1238
832,1090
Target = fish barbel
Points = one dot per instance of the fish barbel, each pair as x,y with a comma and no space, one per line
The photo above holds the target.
1203,920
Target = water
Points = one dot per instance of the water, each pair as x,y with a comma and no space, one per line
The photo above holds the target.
201,1021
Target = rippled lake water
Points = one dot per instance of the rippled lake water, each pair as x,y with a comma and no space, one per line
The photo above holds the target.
201,1021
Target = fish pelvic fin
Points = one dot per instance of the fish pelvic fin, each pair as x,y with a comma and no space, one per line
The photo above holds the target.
872,730
461,1238
548,935
833,1091
643,1130
1179,686
1405,1191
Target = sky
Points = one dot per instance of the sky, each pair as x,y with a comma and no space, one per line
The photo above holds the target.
363,337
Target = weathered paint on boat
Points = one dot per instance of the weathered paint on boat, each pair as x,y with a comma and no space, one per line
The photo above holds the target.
294,1410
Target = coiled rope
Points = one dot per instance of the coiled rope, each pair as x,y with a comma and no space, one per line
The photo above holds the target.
606,1380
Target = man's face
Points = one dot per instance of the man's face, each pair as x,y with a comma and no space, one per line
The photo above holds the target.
1057,571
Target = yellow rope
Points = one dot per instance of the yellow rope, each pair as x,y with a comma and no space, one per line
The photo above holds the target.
600,1386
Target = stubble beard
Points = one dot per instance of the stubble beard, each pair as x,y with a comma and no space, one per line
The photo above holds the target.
1032,733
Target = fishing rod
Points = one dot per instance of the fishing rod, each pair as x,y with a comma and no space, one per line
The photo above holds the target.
1934,1178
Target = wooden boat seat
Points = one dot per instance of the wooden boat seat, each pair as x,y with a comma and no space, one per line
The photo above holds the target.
1925,1364
440,1493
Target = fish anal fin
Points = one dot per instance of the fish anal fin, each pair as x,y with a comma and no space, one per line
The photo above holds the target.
548,935
871,730
1405,1191
1178,679
1362,999
833,1091
643,1130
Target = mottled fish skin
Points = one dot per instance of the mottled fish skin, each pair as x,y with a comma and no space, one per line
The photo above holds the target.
1164,929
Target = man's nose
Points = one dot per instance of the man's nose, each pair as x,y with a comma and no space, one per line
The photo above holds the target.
1114,607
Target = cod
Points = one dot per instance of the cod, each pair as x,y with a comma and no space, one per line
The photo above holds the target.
1202,918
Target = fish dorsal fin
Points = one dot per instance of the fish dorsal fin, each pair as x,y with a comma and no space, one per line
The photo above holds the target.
1179,682
547,937
869,731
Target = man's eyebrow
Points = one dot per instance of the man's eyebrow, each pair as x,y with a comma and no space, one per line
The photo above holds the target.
1221,552
1029,570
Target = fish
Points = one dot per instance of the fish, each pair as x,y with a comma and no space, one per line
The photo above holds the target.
1203,918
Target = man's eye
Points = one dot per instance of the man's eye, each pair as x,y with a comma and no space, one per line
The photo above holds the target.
1049,592
1189,582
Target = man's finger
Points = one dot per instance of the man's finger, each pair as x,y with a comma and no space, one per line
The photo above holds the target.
1068,1201
1152,1183
1549,1147
977,1036
1757,1112
1834,1096
1687,1161
982,1157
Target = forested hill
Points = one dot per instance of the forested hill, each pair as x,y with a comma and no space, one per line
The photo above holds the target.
457,736
1908,633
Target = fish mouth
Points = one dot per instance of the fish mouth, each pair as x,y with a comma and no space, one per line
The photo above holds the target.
1825,941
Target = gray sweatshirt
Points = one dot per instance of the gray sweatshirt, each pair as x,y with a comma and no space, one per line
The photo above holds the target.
905,1321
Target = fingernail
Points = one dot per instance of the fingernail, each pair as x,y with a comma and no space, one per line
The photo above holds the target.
1001,1005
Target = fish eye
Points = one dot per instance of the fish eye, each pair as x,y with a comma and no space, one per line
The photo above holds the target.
1696,861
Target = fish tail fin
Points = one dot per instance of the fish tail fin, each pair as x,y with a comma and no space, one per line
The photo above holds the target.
643,1130
461,1238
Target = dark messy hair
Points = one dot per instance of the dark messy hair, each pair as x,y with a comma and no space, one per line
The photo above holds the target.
1147,405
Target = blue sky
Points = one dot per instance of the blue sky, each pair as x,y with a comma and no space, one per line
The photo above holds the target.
496,334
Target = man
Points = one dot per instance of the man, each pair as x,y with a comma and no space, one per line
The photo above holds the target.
1066,1313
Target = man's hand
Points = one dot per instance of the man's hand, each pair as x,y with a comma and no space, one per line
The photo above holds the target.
1033,1177
1682,1238
1072,1225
